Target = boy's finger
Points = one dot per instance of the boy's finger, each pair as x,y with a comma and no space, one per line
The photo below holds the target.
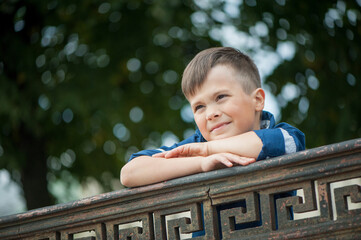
161,154
169,154
245,161
225,161
173,153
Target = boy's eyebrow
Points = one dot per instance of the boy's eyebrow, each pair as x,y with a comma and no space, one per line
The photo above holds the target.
220,92
213,96
196,103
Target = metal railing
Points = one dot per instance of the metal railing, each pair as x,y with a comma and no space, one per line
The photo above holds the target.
234,203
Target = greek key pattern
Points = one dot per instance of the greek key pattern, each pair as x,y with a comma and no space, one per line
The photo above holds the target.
314,194
215,220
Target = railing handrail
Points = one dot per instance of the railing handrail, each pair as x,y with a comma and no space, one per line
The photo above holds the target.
125,196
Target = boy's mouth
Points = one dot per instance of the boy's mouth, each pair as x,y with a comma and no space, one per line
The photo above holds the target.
219,126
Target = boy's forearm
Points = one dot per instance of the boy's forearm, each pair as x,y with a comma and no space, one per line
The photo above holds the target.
246,145
146,170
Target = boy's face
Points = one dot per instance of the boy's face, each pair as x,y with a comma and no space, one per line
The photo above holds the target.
222,109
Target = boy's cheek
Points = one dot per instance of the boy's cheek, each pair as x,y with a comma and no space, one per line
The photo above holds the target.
201,125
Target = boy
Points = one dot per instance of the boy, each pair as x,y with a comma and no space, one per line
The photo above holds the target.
223,87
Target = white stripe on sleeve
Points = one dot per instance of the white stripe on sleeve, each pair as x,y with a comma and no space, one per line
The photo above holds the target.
290,145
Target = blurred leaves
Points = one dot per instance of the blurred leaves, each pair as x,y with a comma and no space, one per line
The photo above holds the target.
84,84
317,80
90,82
324,69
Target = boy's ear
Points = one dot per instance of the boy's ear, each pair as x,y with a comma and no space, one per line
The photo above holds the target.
259,98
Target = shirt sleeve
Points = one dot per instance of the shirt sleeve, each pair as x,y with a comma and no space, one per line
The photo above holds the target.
196,137
283,139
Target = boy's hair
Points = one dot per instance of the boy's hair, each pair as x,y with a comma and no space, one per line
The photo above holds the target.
196,71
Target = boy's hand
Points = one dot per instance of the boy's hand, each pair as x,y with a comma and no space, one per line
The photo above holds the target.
187,150
221,160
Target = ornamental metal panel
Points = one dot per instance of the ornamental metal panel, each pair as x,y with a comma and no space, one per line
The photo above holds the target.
251,202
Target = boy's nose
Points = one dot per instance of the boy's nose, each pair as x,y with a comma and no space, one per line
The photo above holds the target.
212,114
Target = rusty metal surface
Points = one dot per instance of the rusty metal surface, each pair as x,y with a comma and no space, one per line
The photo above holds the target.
210,202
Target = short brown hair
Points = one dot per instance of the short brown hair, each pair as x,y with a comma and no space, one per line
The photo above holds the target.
196,71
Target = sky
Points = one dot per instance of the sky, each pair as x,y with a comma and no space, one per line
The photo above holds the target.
11,200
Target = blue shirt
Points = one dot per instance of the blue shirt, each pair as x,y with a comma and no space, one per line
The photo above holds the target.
277,139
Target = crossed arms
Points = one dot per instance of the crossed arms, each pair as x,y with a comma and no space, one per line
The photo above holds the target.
192,158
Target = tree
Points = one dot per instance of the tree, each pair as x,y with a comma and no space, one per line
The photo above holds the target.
318,84
324,69
82,82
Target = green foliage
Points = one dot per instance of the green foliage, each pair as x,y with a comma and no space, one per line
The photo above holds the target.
85,83
73,73
318,88
324,69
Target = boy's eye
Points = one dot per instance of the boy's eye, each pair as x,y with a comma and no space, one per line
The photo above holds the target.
197,108
220,96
